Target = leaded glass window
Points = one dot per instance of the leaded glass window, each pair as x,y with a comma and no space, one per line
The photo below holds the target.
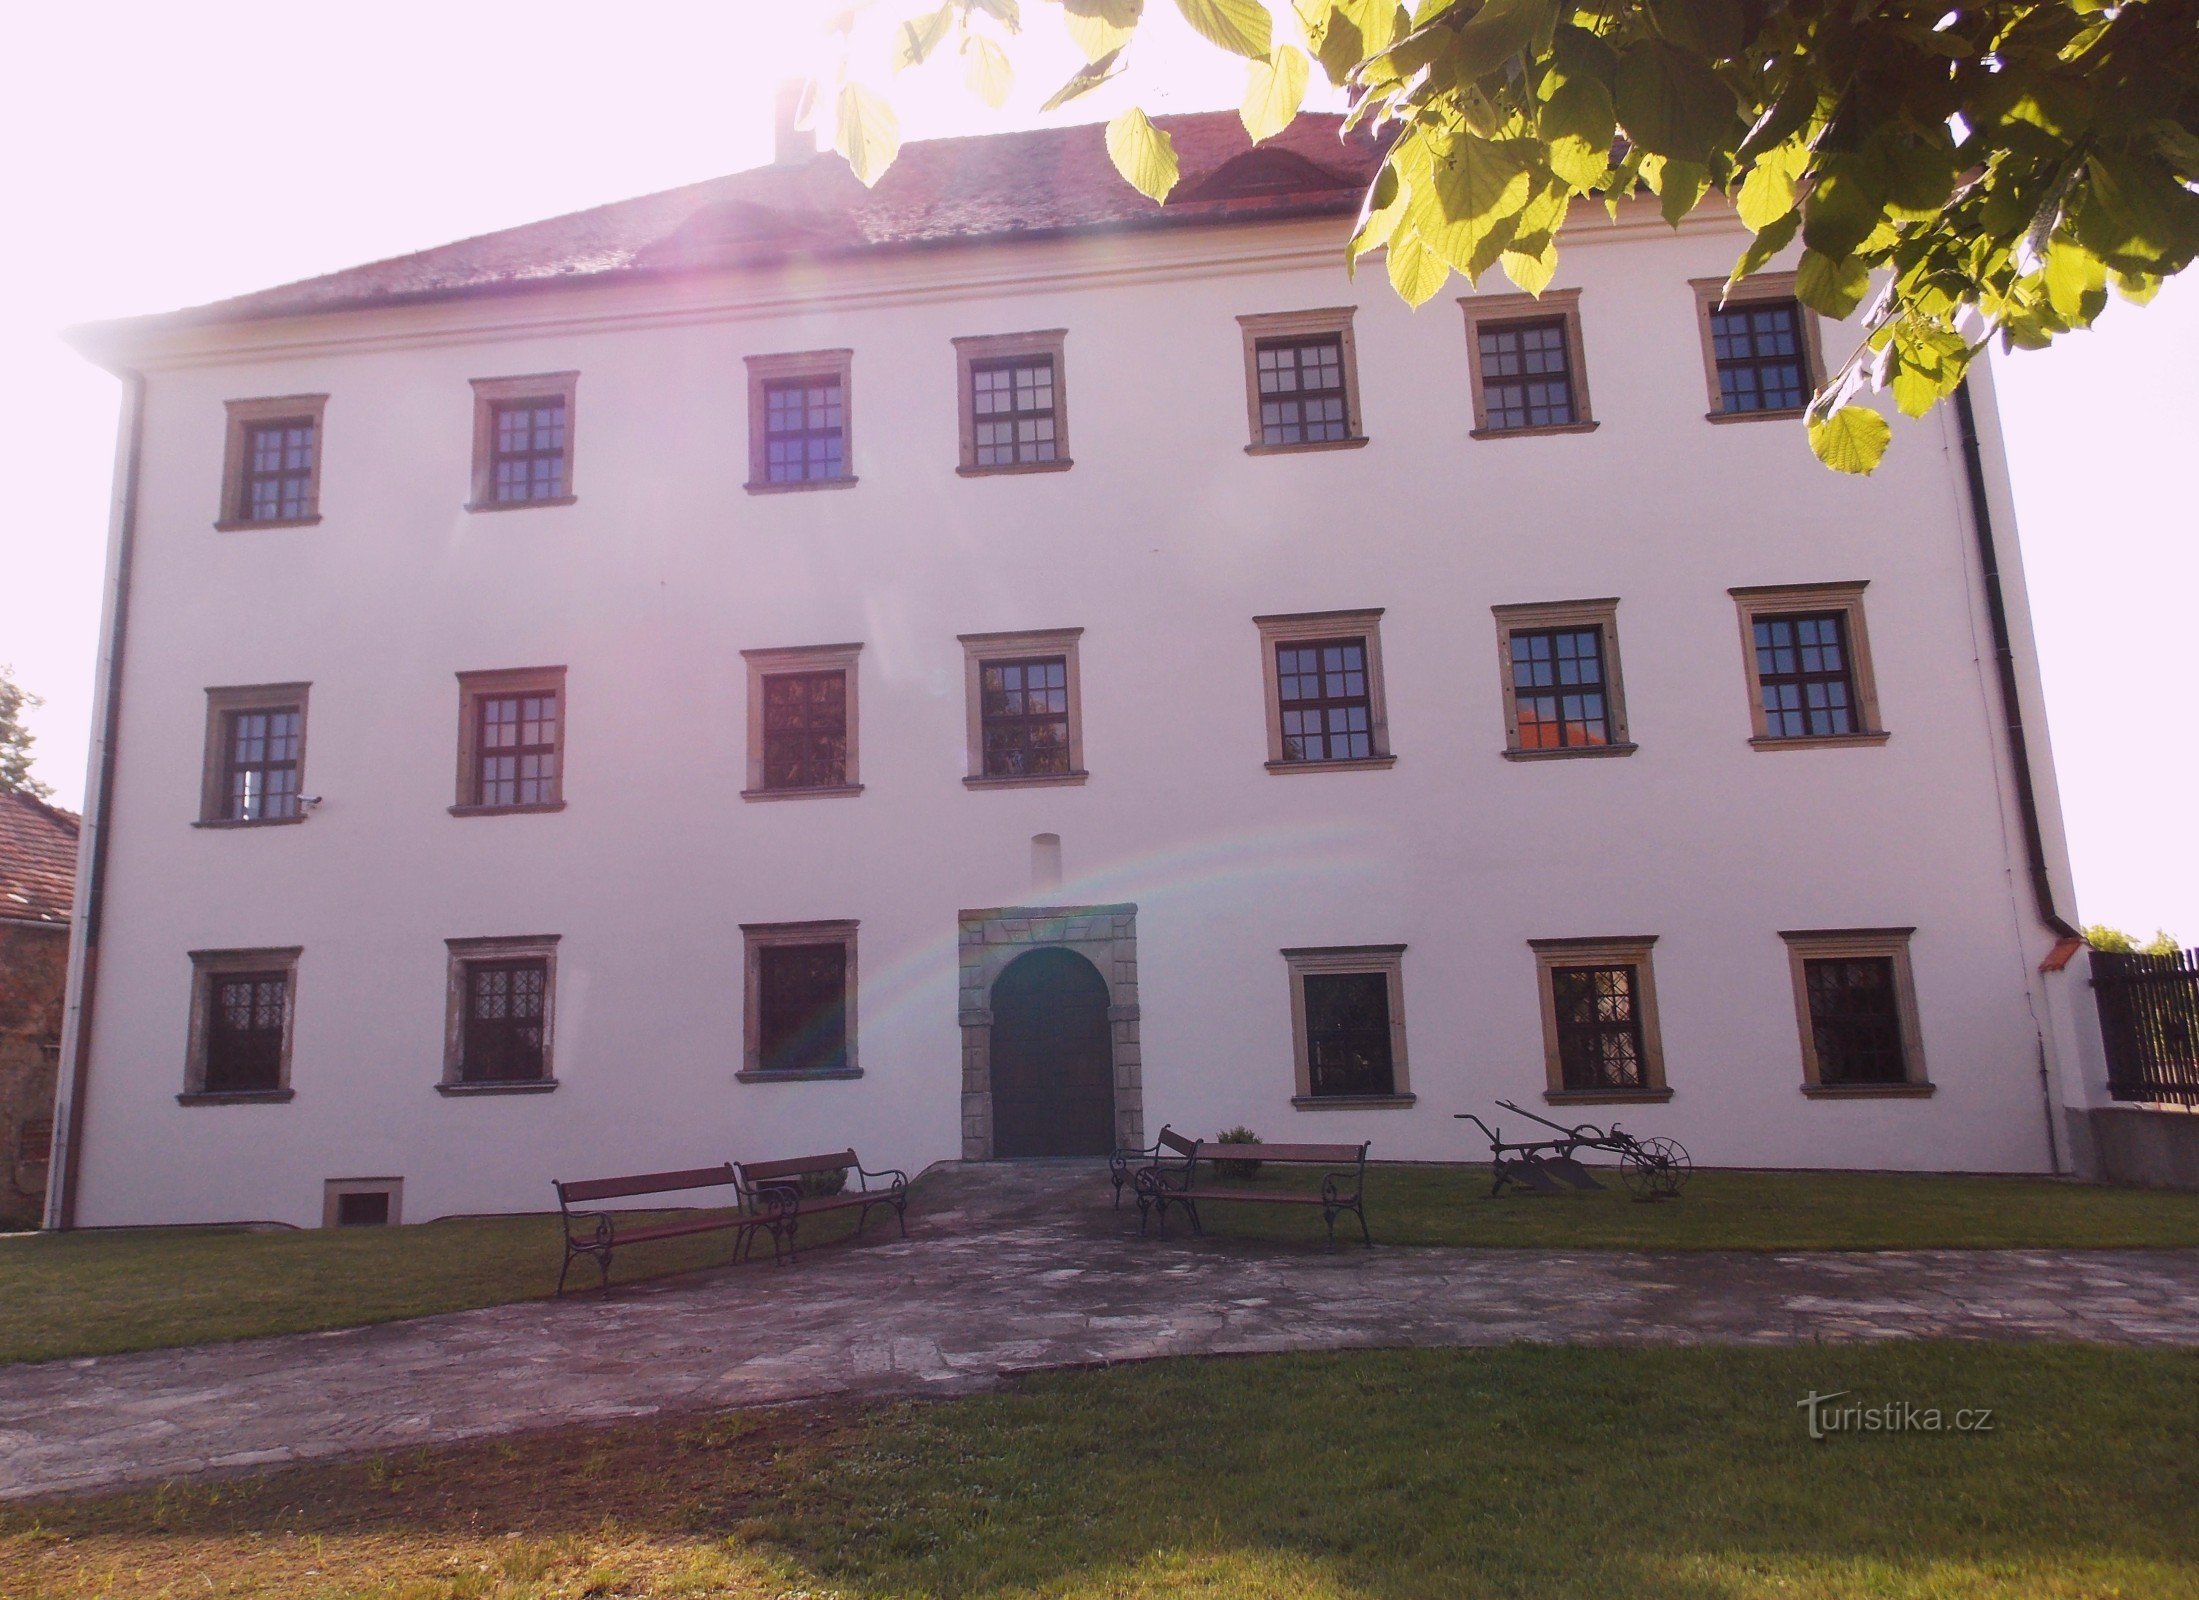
245,1022
1327,712
517,745
1348,1033
1558,688
1302,397
1023,716
805,730
1526,376
1013,411
1805,675
527,449
261,748
507,1008
277,485
1599,1026
1855,1018
802,992
805,429
1762,365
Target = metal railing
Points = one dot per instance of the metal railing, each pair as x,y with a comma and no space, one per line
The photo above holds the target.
2149,1024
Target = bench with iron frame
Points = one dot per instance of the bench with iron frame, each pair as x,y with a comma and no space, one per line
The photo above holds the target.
1124,1165
596,1234
1188,1179
773,1193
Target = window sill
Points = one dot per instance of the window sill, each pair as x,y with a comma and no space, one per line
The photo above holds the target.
235,1097
507,811
232,526
1606,1097
1827,741
821,1075
830,791
1352,1102
1036,780
1364,764
1867,1091
464,1091
1357,441
250,822
1533,433
1783,414
1571,752
522,505
801,487
1020,469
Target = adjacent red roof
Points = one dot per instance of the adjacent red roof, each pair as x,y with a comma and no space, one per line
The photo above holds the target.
37,860
1033,183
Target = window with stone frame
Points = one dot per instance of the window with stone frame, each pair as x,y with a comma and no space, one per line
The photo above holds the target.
1024,712
1855,999
506,1025
1013,402
241,1025
800,1000
1303,396
271,471
1761,355
799,421
1325,700
523,441
511,741
1526,375
1599,1019
1809,666
1348,1025
805,730
1558,688
255,755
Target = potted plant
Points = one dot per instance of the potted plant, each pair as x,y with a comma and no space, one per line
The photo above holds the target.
1237,1169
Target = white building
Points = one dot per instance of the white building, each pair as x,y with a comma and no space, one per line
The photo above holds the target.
988,666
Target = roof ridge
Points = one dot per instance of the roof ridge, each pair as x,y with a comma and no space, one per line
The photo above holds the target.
67,819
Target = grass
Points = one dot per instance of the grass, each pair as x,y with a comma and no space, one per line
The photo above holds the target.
1551,1473
109,1291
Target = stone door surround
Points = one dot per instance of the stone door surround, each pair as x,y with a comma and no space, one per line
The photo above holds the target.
987,940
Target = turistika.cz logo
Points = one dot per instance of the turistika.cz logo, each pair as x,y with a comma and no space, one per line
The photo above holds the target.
1827,1418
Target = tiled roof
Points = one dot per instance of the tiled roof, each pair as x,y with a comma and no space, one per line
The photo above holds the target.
1033,183
37,860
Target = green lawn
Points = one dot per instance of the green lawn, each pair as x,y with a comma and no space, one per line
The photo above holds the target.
1499,1475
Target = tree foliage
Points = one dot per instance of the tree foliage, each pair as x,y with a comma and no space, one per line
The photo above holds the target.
1962,170
16,740
2116,942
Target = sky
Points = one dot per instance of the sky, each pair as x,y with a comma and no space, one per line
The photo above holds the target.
155,155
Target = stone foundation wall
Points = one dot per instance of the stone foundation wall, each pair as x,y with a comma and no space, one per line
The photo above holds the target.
34,961
2137,1144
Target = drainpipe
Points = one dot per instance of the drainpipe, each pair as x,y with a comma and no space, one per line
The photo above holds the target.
69,1095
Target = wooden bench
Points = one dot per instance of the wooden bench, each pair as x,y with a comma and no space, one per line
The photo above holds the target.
772,1195
1124,1165
598,1233
1193,1181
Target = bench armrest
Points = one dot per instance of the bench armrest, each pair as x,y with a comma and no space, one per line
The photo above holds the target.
774,1199
900,1178
599,1230
1333,1184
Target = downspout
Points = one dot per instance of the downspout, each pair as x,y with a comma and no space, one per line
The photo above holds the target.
69,1111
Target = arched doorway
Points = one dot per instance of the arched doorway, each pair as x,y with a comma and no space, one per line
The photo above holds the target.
1053,1062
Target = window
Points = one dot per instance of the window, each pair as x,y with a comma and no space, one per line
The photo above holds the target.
1809,666
240,1031
523,441
1014,412
1026,721
1348,1024
500,1015
1301,380
800,1013
1760,347
1855,998
1524,357
1560,666
255,755
511,741
362,1202
1599,1019
271,467
1324,691
801,722
798,421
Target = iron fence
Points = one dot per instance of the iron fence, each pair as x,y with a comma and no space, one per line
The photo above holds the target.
2149,1023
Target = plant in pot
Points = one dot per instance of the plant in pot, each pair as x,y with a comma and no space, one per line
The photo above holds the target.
1237,1169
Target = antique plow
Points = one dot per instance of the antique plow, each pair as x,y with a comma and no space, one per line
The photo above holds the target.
1652,1169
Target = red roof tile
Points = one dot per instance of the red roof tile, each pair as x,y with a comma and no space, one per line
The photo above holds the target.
37,860
1032,183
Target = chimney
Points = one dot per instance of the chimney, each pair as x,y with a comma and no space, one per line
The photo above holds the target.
791,144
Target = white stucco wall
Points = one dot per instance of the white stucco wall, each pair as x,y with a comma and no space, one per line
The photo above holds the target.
1162,544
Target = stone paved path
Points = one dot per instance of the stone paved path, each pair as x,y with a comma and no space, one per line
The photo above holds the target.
1009,1269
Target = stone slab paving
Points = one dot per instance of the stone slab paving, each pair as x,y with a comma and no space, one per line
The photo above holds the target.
1009,1269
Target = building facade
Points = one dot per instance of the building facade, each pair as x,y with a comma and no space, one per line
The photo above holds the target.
986,667
37,879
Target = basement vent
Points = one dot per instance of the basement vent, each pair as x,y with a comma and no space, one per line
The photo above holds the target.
361,1202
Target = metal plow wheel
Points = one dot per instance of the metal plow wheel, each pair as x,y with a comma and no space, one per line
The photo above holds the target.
1654,1169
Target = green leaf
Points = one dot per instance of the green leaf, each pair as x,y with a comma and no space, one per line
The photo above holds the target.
1853,439
1767,193
1671,103
1844,206
1274,90
1239,25
1084,80
1834,287
915,39
2076,281
1580,124
1500,30
1007,11
987,70
1101,27
1142,153
1532,273
1416,272
1468,211
867,132
1379,212
1685,184
1773,238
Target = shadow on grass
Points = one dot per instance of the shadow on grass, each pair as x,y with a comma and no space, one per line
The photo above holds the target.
1519,1472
